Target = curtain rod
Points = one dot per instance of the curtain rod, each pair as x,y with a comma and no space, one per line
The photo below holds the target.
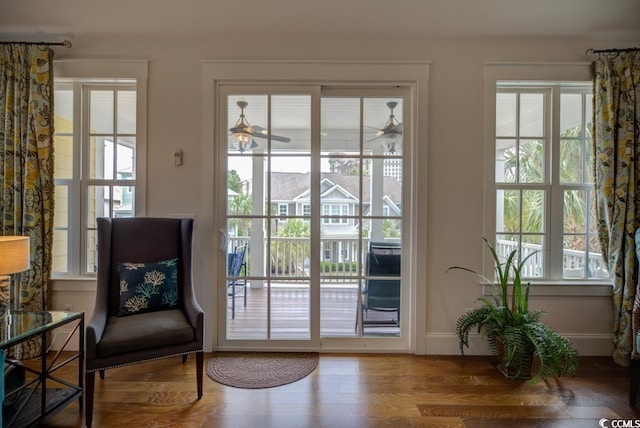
592,51
66,43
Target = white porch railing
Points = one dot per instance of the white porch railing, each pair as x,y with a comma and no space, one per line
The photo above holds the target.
573,261
290,257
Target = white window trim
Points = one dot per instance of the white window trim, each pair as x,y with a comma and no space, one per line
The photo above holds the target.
328,217
107,71
407,73
286,209
577,72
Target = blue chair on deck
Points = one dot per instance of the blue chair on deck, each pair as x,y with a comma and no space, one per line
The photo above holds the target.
237,273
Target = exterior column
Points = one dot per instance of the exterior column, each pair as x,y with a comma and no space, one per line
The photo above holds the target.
258,232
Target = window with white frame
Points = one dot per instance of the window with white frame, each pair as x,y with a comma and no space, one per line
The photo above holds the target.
98,136
283,209
335,210
544,189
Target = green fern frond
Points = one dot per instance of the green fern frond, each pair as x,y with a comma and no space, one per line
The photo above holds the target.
475,318
556,354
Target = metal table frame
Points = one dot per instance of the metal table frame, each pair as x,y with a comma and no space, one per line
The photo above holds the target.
19,326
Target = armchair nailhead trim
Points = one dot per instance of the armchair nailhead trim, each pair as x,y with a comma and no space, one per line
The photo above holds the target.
144,361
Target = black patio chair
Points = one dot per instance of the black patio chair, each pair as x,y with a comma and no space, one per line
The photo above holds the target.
382,295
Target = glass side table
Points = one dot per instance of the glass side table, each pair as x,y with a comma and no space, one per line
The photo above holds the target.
43,393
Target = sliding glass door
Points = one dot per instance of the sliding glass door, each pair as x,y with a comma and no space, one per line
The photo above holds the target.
313,217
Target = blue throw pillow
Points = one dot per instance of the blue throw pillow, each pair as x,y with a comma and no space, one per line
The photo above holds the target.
148,287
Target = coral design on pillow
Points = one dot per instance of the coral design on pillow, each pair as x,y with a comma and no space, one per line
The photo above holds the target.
148,287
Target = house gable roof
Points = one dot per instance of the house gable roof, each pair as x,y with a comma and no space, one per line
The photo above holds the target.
290,186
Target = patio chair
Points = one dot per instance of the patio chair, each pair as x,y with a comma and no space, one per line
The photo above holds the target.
382,295
237,272
145,307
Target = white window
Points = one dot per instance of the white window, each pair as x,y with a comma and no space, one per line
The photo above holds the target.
306,210
543,180
335,213
283,209
99,135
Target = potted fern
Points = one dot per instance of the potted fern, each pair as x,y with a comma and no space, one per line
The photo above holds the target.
515,334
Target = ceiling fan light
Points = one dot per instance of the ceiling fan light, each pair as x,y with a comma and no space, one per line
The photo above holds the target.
391,132
391,143
241,141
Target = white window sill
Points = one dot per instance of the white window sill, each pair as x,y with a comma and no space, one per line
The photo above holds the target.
86,284
579,288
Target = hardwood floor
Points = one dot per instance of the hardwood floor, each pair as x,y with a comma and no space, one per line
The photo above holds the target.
368,390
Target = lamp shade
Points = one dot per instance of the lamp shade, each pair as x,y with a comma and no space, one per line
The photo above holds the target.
14,254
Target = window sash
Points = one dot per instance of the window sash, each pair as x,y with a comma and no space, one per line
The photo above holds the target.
75,251
552,190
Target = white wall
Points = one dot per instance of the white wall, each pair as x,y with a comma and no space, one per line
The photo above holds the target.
453,191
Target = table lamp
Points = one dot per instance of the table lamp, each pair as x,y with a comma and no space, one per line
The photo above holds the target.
14,258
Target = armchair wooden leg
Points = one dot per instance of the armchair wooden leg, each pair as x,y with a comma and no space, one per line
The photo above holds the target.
101,374
635,382
199,370
184,358
89,384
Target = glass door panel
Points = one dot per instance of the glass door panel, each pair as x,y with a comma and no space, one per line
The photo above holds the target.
361,200
268,211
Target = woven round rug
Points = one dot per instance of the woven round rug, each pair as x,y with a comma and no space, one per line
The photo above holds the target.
254,370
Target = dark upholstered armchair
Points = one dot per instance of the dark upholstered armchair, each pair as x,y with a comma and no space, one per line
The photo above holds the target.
124,332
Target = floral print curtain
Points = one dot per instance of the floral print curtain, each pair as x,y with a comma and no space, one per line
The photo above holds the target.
26,168
616,140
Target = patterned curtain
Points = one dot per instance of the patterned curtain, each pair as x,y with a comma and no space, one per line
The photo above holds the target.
616,80
26,168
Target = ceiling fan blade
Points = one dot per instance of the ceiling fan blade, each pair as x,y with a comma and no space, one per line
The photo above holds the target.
237,129
259,131
391,130
280,138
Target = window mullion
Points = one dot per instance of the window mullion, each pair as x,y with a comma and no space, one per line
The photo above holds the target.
75,188
556,208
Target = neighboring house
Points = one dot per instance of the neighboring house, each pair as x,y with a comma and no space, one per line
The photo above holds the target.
339,194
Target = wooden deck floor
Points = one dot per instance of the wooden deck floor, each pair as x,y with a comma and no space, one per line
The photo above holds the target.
290,314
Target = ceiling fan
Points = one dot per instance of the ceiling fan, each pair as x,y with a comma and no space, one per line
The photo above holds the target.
391,132
242,133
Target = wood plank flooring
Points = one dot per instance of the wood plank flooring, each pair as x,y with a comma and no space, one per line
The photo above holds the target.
290,314
370,390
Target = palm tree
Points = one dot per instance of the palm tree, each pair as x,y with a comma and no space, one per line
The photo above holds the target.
289,255
525,164
241,204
